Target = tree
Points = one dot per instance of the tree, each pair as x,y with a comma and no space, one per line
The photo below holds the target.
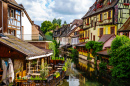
54,21
96,46
54,26
65,22
120,57
44,70
59,22
46,26
75,56
54,46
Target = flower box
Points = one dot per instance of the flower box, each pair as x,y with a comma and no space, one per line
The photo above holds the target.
87,24
109,18
109,3
100,21
100,6
87,37
126,4
94,9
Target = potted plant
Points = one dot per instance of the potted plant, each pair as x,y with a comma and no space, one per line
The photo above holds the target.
54,76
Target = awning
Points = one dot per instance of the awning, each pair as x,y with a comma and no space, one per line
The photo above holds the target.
36,57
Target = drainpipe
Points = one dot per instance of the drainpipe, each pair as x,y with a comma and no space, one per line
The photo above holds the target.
2,18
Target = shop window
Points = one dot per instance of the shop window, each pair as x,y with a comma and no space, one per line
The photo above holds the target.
112,30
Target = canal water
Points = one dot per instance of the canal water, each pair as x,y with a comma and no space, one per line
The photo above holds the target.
88,75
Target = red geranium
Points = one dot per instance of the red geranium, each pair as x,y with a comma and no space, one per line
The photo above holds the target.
126,4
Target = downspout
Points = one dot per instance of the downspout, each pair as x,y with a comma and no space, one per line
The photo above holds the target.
2,18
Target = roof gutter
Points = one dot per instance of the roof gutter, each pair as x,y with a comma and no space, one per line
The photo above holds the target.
41,56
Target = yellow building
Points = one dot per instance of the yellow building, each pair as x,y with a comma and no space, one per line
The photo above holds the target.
103,17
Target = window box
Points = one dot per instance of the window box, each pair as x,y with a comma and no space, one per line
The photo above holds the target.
100,6
100,21
94,9
109,3
87,24
126,4
87,37
109,18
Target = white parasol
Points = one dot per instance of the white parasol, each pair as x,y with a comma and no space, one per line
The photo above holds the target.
4,71
10,71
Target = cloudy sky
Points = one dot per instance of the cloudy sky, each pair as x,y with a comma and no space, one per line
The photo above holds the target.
41,10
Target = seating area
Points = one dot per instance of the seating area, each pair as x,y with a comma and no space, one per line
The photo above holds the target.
32,77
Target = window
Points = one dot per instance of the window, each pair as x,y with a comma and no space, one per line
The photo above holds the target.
100,17
93,37
88,33
112,30
110,1
88,21
12,13
126,1
101,31
126,34
109,14
85,33
92,23
76,33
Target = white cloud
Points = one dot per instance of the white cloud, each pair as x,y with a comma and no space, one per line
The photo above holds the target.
41,10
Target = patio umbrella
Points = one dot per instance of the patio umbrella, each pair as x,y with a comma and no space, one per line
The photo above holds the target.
4,71
10,71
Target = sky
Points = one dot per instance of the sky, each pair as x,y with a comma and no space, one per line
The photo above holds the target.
67,10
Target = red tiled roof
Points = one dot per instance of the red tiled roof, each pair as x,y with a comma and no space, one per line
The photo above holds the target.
103,52
104,7
106,37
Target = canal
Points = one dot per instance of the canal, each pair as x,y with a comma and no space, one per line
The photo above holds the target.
87,74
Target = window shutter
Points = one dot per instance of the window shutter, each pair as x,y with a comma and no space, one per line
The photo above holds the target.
115,30
107,14
102,16
109,30
104,31
98,31
111,14
84,34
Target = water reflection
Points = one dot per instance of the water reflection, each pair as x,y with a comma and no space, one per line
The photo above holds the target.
90,75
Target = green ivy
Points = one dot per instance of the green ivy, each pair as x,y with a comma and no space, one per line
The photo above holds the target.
96,46
120,57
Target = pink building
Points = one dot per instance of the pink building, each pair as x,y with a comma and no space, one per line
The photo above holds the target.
125,29
107,40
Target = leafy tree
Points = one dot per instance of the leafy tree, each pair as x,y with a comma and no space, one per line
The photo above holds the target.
54,26
54,21
54,46
120,57
59,22
65,22
44,70
75,56
96,46
46,26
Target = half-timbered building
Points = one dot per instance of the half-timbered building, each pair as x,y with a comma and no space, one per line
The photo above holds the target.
10,17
